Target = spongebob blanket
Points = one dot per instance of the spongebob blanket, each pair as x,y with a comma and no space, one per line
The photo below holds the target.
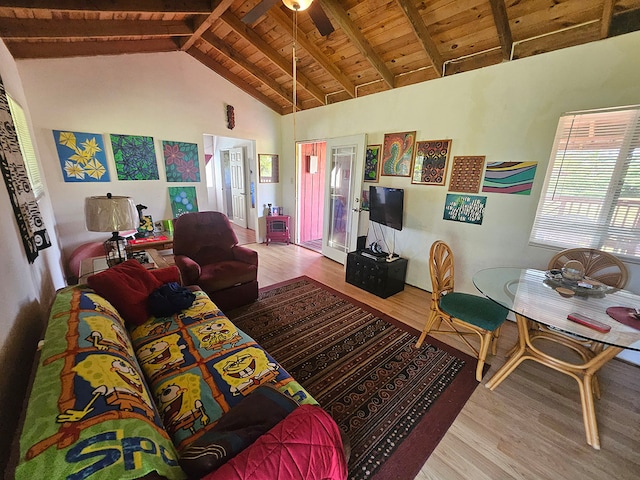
199,365
92,414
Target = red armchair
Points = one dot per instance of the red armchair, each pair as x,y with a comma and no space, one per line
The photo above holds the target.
207,253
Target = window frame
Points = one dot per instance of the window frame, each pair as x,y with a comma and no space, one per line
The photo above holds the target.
582,163
26,148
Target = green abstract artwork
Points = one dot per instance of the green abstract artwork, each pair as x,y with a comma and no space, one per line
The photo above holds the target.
183,200
135,157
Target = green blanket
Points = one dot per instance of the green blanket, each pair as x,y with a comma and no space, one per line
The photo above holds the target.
90,413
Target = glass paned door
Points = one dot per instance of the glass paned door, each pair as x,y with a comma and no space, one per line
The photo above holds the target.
345,160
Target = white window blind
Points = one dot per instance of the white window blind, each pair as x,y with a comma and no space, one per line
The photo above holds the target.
26,148
591,195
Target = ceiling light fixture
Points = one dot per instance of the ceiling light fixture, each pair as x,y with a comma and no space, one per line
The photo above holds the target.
297,5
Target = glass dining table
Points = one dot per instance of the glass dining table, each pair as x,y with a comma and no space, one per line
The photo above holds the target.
541,314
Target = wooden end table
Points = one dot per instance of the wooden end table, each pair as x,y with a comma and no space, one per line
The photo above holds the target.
92,265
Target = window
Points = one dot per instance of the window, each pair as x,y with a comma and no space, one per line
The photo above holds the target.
591,196
26,148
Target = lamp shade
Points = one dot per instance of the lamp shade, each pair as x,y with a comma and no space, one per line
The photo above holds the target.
110,214
297,5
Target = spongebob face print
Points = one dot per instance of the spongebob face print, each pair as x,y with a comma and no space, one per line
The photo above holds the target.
105,334
116,380
150,329
180,404
202,309
162,355
246,370
217,334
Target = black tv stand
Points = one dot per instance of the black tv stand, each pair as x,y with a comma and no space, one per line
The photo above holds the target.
376,275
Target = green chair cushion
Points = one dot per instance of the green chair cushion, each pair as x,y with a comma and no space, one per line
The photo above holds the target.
478,311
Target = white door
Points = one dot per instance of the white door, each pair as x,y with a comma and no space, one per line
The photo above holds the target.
238,192
343,188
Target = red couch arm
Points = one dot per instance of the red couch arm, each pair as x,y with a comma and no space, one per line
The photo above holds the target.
246,255
189,269
306,445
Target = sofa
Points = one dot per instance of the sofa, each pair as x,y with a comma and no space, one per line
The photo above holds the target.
119,393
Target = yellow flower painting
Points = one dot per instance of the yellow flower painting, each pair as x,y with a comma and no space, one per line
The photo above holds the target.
82,156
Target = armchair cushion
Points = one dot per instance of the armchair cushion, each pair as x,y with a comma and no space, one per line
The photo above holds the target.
221,275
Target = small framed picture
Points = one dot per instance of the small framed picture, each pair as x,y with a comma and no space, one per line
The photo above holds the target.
372,163
268,168
430,162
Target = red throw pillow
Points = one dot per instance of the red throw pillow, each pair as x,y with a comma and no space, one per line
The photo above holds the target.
126,286
167,275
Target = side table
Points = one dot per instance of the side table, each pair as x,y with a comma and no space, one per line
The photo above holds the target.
379,277
92,265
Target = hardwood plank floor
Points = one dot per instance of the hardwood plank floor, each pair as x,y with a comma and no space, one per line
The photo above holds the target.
530,427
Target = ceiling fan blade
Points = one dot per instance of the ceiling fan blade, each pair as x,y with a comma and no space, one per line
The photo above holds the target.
258,11
320,19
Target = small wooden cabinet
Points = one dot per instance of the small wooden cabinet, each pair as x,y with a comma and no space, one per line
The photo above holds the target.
381,278
278,228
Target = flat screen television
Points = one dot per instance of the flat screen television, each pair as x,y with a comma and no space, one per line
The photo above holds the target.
386,206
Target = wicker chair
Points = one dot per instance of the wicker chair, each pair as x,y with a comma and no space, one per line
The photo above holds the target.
463,314
598,265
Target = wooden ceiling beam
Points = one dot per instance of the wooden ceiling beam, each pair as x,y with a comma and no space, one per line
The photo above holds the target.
224,72
89,48
501,20
285,23
130,6
339,15
285,65
202,25
25,28
236,57
607,16
415,19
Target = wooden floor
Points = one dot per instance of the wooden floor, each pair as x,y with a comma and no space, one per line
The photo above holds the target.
530,427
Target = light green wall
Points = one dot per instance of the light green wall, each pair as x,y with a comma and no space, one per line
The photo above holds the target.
507,112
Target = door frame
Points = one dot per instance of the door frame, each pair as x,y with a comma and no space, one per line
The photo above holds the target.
353,206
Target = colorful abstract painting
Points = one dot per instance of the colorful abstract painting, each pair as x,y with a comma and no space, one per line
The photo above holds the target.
397,153
181,161
135,157
465,208
466,174
430,164
82,157
183,200
509,177
372,163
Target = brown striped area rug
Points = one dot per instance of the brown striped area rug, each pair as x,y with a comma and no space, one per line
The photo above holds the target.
394,402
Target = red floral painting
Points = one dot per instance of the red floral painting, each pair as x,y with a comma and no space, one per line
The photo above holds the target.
181,161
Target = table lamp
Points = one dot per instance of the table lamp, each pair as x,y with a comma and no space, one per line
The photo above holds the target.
111,214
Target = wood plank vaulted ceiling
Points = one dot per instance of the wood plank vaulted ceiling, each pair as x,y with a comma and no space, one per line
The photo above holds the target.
373,45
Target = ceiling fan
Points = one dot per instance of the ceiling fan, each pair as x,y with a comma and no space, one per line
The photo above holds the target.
317,14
